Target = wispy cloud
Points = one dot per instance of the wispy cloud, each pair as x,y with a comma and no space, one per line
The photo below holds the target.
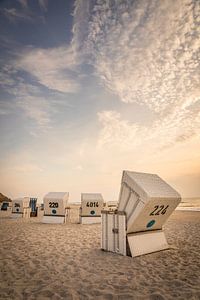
54,68
145,52
21,15
43,4
26,74
14,14
36,109
35,106
6,76
120,134
24,3
6,108
26,97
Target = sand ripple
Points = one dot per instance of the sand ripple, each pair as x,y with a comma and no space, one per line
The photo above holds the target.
48,261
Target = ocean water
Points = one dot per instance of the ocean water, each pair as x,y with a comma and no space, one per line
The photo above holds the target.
189,204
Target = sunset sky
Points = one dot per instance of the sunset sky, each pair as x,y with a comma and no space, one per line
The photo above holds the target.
93,87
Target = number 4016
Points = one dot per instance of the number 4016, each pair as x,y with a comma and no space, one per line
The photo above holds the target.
92,204
159,209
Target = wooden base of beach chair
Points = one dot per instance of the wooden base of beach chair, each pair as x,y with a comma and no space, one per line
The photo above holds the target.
147,242
53,219
90,220
16,215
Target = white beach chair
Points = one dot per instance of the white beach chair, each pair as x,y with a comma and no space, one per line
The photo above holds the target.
145,203
91,207
55,204
20,208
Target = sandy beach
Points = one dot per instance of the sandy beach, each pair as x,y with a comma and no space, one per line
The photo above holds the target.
48,261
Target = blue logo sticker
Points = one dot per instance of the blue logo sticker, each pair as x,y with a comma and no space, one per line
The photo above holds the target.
151,223
54,211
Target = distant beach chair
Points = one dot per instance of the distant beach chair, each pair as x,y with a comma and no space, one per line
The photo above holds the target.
110,205
135,228
33,206
21,208
91,206
55,207
5,205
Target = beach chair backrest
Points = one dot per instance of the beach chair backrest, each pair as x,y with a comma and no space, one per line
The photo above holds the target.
147,200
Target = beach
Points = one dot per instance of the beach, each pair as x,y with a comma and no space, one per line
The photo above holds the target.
51,261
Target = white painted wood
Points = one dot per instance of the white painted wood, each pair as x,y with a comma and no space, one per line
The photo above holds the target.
124,196
55,203
140,194
149,185
19,204
53,220
147,201
104,237
147,242
142,217
91,205
90,220
122,234
110,205
131,204
116,235
110,225
113,232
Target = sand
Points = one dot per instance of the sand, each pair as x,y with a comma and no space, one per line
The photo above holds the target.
50,261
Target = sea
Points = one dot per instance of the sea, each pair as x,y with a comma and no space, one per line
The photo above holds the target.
192,204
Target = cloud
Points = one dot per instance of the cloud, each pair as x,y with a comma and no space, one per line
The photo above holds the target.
36,109
54,68
43,4
115,131
29,99
122,135
33,103
81,15
6,108
13,15
24,3
145,52
22,15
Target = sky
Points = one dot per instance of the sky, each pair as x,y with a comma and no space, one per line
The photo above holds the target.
90,88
